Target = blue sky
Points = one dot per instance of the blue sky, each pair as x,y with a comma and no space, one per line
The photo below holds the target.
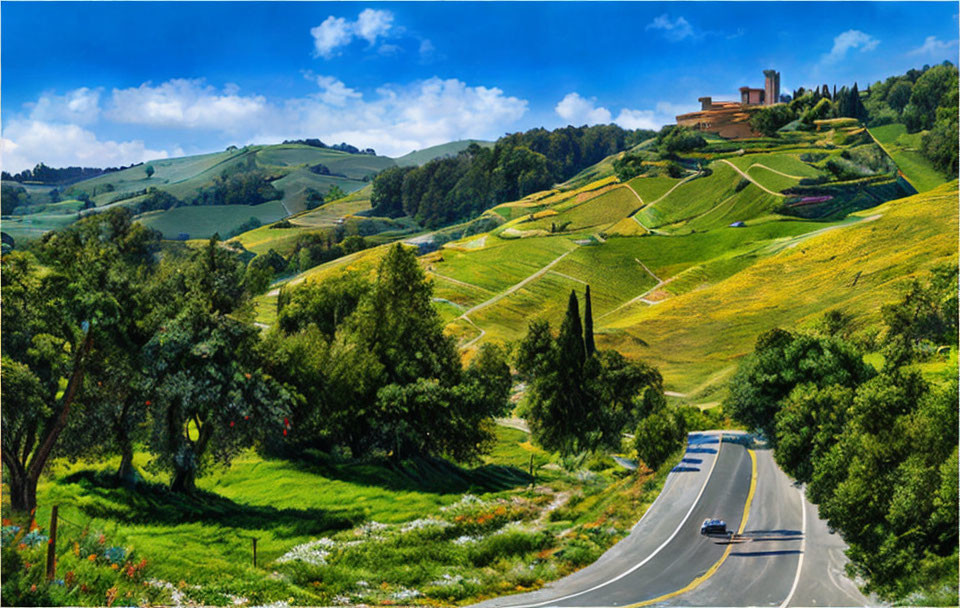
107,83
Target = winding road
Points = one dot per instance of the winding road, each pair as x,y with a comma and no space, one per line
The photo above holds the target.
784,556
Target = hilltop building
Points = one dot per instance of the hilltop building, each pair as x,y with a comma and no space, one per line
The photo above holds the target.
730,119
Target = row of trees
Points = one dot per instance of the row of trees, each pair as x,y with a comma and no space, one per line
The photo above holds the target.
50,175
108,345
582,399
877,448
446,190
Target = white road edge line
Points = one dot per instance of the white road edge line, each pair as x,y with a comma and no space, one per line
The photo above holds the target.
803,547
649,557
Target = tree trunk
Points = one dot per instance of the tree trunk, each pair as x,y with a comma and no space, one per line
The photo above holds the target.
184,481
127,475
185,478
23,492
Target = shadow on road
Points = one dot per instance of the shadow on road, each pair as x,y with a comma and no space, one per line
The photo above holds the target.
682,469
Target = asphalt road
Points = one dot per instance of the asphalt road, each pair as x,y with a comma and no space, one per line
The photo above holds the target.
785,555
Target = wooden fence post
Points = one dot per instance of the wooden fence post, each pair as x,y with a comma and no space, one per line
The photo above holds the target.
254,552
52,546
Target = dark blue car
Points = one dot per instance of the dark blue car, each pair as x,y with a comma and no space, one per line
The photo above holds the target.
713,527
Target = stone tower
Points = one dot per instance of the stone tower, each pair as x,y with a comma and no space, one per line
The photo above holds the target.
771,87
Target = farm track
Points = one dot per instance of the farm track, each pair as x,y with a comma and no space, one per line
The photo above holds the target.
751,180
457,282
771,169
516,287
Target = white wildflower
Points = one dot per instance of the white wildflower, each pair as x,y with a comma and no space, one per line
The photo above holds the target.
429,522
314,552
463,540
406,594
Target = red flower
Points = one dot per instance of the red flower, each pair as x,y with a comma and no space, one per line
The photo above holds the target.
148,402
246,417
284,432
231,423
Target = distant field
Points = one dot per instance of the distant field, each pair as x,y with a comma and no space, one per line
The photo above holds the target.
904,149
598,212
652,188
204,221
420,157
692,198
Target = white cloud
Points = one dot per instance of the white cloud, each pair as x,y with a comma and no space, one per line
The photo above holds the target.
336,32
933,46
397,119
426,48
578,110
372,24
80,106
638,119
334,92
332,33
183,103
850,39
28,142
675,30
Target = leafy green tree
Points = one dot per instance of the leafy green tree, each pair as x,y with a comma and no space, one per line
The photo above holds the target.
628,166
659,435
927,95
211,397
579,403
387,191
334,193
673,139
807,425
400,326
56,321
149,170
768,120
782,361
327,304
899,95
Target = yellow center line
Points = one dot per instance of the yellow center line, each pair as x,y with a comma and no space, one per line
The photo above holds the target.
703,577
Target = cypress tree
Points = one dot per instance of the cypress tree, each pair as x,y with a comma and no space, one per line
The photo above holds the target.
570,339
588,342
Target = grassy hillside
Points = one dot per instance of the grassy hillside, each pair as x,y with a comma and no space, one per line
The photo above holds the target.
478,531
421,157
905,150
692,296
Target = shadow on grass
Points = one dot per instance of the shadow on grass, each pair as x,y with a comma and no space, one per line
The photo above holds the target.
422,474
154,503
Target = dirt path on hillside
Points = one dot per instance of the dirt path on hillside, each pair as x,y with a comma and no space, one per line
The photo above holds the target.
483,332
460,283
642,297
516,287
772,170
751,180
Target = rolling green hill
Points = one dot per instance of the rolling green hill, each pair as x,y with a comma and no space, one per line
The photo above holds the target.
692,296
421,157
295,170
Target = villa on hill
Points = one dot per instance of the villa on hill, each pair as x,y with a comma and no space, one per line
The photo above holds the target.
730,119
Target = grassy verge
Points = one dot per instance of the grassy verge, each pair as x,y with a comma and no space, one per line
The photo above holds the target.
332,531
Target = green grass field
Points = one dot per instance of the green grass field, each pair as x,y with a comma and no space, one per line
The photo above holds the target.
904,149
481,528
204,221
